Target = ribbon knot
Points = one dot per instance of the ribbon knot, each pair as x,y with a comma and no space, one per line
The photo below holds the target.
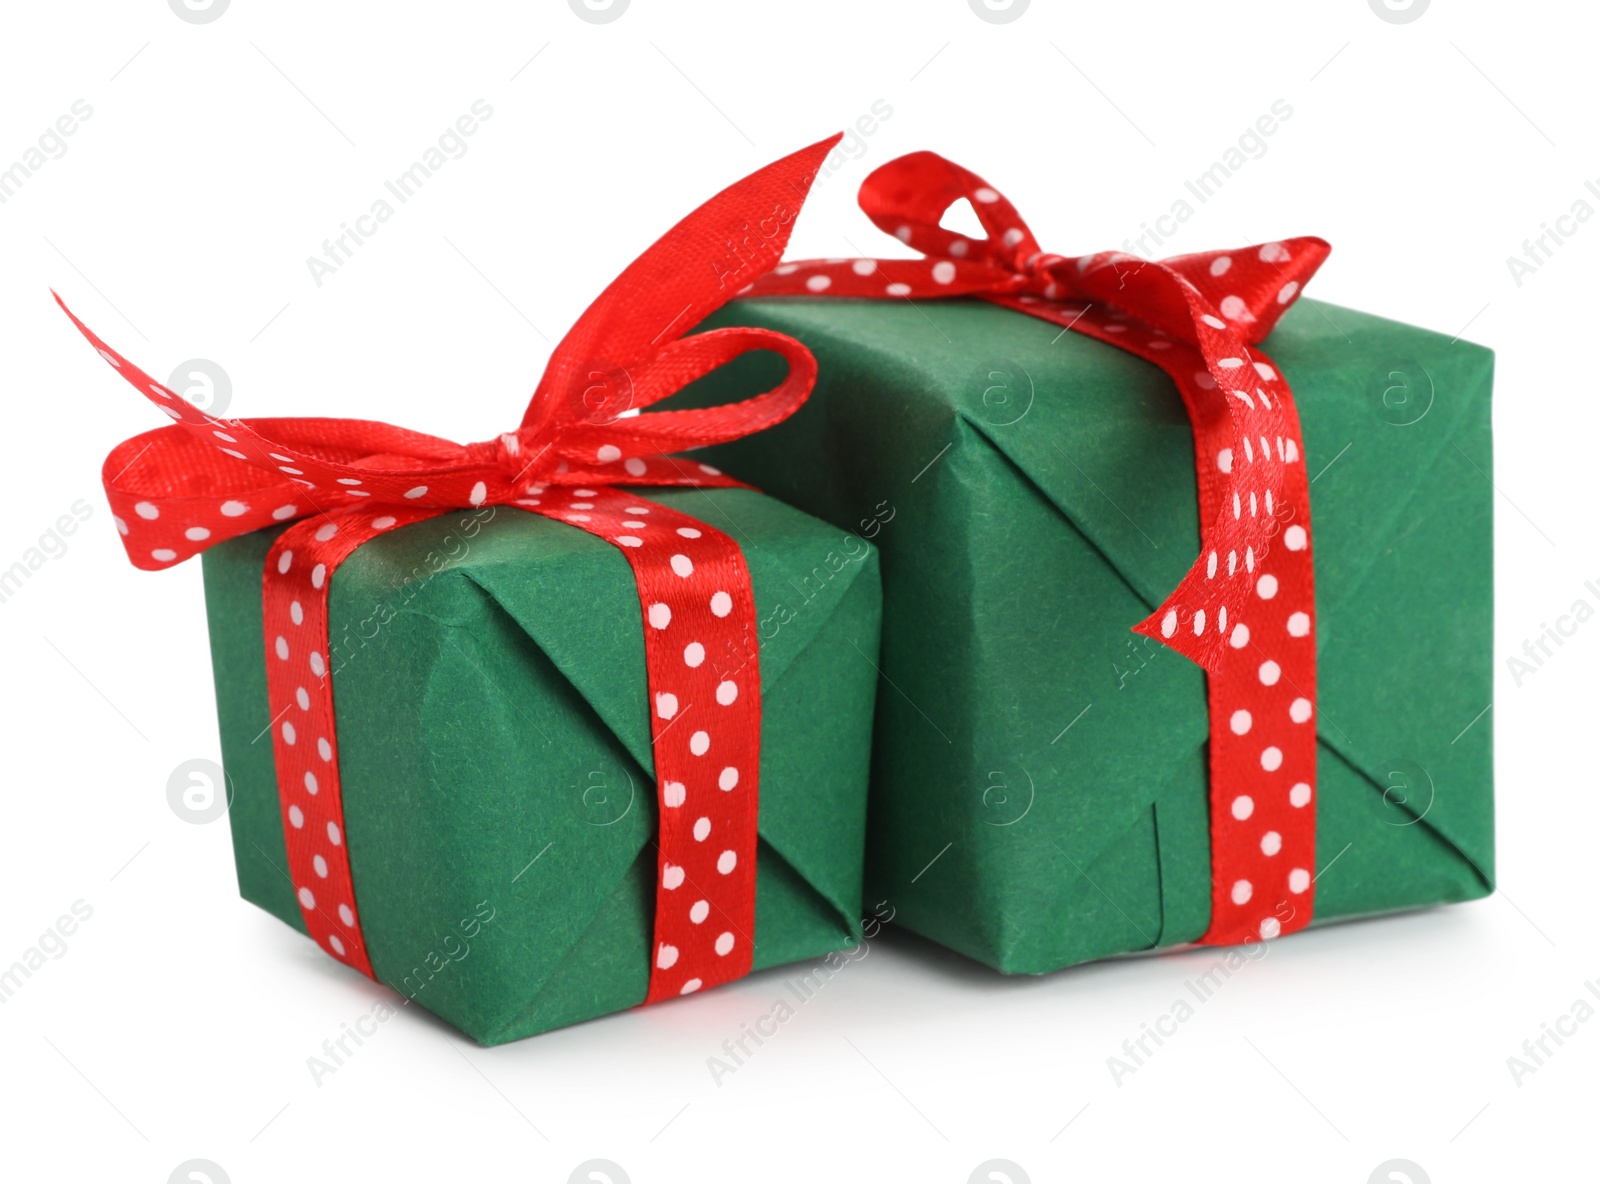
332,485
519,458
1047,275
1246,290
1215,305
178,490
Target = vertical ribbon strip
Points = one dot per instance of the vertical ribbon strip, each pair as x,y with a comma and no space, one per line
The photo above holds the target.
1244,611
202,480
695,600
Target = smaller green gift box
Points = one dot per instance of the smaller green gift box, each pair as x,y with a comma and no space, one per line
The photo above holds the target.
1039,792
495,752
483,666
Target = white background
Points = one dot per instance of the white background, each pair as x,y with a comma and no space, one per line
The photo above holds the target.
178,222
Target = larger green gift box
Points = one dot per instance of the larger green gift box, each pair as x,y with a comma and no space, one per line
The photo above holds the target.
1039,793
495,752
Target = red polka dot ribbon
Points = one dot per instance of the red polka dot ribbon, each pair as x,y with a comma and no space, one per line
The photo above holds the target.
179,489
1245,609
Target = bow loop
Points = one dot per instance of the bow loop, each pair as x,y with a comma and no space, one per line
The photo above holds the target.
1253,286
908,196
1245,290
186,487
171,495
699,265
629,439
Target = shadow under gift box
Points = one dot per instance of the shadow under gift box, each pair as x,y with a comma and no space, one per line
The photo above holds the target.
1040,783
495,752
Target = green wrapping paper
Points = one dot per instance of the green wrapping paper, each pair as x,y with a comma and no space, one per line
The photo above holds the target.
1039,786
495,753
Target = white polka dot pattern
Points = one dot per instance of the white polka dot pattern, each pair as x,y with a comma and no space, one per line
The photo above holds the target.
705,743
202,480
693,586
300,698
1245,609
695,617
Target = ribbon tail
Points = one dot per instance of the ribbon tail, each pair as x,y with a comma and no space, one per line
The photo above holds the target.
699,265
1193,620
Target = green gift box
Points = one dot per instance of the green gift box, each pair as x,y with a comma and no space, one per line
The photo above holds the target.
1039,789
495,751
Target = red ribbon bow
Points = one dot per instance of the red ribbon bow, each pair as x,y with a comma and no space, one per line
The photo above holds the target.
1245,609
179,489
